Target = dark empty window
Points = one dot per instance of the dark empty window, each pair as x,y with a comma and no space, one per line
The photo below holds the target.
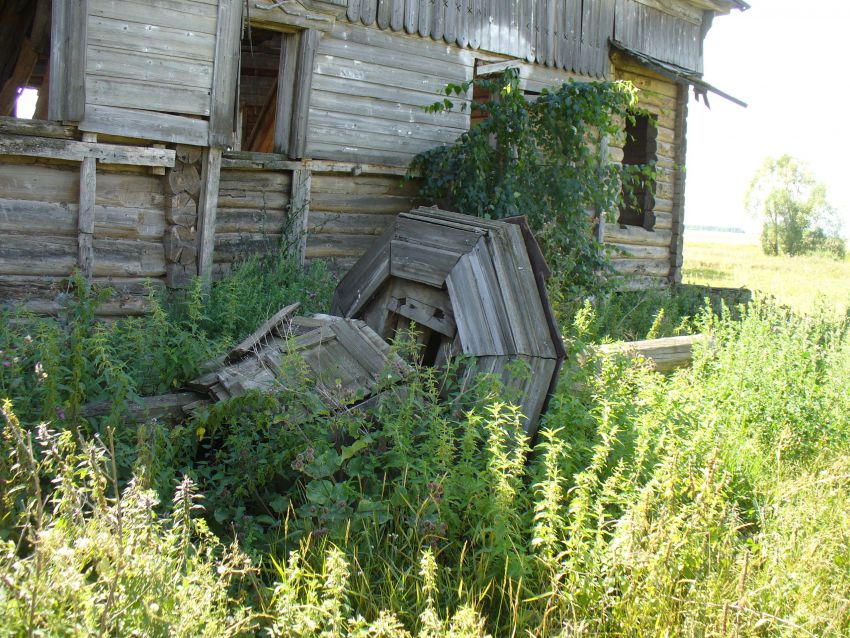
639,152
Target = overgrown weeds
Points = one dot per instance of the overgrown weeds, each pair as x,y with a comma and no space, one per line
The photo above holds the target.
705,503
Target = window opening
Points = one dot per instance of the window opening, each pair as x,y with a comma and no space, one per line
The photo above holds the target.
258,90
639,150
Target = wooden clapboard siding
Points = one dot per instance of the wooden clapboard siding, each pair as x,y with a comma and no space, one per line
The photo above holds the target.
150,67
563,34
368,92
655,32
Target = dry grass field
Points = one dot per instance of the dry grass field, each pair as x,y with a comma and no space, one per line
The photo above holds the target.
796,281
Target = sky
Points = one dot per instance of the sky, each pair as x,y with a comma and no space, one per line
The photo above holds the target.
785,58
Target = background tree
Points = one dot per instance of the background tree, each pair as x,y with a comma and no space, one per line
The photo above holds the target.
796,216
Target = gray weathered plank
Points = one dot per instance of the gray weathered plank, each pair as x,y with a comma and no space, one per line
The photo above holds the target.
207,208
288,61
307,45
77,151
274,326
115,63
85,212
411,16
225,73
299,211
143,39
176,14
147,125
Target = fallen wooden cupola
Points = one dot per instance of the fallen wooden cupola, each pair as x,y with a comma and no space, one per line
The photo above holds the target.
469,286
343,360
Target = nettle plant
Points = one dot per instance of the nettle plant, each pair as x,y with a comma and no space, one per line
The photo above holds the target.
543,158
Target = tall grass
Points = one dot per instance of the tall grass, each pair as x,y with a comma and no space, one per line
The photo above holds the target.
709,502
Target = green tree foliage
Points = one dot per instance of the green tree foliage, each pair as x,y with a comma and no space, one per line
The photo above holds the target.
796,216
542,159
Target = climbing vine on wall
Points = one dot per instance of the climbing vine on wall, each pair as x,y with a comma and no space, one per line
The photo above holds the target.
542,158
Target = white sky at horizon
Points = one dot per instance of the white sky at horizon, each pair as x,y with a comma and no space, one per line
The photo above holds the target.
783,58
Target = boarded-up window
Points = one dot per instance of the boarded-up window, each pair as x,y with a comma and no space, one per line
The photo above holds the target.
639,151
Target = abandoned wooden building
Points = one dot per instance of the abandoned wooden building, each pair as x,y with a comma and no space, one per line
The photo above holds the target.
174,136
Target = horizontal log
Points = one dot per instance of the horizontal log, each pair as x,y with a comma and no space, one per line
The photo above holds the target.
128,258
250,220
653,267
25,217
233,247
340,202
42,294
78,151
617,234
37,128
145,125
626,251
46,255
363,185
642,282
347,223
341,245
169,407
663,354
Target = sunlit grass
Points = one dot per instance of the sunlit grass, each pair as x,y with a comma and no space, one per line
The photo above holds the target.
796,281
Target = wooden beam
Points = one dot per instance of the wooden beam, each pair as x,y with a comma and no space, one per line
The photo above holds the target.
307,45
58,61
299,210
275,161
207,208
75,80
285,92
678,225
85,212
78,151
497,67
225,73
37,128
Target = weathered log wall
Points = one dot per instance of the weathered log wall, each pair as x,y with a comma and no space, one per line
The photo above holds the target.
39,201
252,214
647,257
348,212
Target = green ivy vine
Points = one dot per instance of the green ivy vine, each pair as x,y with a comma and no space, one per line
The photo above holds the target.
544,159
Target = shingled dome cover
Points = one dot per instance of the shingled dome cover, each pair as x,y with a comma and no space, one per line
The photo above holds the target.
471,286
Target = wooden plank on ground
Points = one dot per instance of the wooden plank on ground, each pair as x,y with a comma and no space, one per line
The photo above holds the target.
275,326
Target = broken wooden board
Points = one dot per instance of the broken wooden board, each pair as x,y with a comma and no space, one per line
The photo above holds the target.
462,285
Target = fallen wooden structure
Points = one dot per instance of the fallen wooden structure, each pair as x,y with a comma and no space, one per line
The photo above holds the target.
465,286
344,360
